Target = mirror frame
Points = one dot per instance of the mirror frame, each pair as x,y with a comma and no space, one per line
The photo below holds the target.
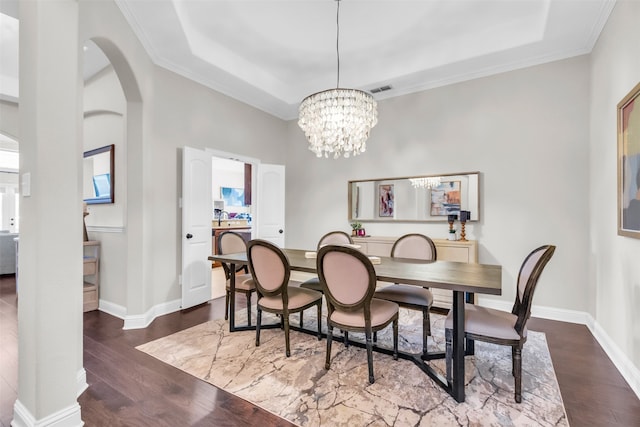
106,149
475,210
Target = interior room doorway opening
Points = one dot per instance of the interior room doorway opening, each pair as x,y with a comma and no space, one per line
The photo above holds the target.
233,202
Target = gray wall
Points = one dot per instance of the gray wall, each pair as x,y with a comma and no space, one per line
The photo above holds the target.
164,112
612,260
527,133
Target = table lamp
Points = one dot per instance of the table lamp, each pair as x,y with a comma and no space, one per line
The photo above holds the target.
464,217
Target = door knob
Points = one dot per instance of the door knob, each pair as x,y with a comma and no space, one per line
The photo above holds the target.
189,235
280,231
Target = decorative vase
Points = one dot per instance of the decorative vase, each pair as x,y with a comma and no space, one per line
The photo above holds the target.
452,236
361,232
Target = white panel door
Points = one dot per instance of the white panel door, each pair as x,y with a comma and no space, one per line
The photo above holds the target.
270,212
197,208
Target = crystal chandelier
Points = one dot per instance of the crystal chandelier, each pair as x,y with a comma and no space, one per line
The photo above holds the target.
338,121
425,182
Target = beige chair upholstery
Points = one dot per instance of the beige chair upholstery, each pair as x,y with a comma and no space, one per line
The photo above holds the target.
349,281
230,242
270,269
500,327
331,238
418,247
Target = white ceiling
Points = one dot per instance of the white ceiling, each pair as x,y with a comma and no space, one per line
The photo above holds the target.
271,54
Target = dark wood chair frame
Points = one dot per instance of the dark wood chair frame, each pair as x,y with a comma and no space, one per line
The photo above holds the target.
282,290
522,309
227,274
363,304
426,319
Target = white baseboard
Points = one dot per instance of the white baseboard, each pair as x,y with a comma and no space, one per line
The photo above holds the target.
67,417
81,379
140,321
625,366
628,370
113,309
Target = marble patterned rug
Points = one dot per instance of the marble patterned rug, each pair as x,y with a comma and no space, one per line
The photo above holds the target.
300,390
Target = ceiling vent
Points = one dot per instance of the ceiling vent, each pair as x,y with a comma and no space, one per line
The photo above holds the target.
381,89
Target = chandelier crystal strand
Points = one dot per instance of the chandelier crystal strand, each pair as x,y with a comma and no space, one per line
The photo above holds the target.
338,121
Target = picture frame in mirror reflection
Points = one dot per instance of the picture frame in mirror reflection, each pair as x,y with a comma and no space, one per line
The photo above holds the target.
98,175
628,116
385,200
445,199
411,202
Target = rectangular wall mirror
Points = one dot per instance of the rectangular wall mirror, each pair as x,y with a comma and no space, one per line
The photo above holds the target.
415,198
98,175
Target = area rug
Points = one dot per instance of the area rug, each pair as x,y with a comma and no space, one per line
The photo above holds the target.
299,389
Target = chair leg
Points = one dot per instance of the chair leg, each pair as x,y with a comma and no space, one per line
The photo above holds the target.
249,308
426,328
327,362
517,367
346,338
320,320
258,321
226,305
395,339
375,337
448,352
286,335
301,321
367,334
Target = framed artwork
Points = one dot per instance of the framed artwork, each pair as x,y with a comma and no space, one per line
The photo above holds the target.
385,200
232,196
445,199
629,165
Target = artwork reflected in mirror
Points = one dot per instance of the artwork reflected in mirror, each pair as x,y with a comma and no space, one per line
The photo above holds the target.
98,175
415,198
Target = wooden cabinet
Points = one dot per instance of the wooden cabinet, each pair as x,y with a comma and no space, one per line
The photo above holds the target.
447,250
91,274
247,184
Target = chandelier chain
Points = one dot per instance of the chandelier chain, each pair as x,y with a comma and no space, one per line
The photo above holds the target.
338,41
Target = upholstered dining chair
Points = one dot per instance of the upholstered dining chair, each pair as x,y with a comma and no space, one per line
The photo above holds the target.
230,242
501,327
331,238
419,247
271,271
349,281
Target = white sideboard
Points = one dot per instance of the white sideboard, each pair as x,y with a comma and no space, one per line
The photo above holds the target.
447,250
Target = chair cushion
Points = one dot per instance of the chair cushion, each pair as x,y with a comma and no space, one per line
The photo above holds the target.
406,294
487,322
313,283
298,297
381,312
244,282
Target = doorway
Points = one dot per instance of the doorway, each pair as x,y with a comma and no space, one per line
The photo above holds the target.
233,207
9,197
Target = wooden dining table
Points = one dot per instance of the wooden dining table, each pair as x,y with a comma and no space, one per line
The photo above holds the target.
463,279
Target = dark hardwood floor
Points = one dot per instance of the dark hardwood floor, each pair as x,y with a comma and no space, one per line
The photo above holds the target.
129,388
